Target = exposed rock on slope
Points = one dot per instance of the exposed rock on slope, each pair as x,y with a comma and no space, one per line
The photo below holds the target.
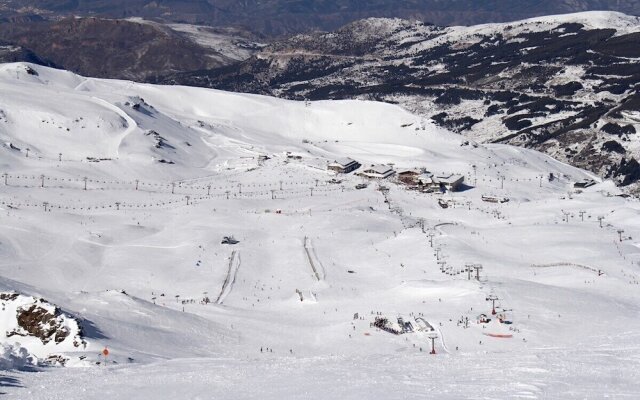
39,327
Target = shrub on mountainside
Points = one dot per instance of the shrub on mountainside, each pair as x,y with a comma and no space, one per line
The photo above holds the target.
618,130
568,89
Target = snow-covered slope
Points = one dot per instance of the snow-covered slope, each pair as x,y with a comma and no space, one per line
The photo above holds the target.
566,85
124,233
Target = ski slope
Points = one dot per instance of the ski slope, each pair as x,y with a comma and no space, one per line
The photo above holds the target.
123,233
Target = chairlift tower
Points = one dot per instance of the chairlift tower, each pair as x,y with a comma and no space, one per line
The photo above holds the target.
433,336
493,298
478,268
475,174
582,213
468,268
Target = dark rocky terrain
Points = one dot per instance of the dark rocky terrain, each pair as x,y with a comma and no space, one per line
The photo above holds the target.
276,17
568,86
127,49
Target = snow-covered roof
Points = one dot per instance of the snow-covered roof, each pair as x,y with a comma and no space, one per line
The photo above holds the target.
450,179
426,178
343,162
379,169
409,171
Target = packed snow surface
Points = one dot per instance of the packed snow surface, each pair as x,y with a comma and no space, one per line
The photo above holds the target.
116,198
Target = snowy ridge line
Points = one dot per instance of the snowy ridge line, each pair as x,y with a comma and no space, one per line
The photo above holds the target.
311,256
230,279
131,123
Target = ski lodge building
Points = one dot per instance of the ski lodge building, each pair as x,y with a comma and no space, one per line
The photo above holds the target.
585,183
409,176
450,183
343,165
378,172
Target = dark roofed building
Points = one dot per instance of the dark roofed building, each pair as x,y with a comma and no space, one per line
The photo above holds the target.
343,165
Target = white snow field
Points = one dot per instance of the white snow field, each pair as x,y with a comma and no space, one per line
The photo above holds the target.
135,256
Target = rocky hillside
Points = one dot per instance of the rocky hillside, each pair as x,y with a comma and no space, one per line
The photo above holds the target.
276,17
566,85
130,49
35,332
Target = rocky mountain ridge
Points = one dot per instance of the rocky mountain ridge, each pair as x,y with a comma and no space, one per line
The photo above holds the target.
281,17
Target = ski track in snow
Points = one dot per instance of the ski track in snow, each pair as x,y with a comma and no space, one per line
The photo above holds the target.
314,261
230,279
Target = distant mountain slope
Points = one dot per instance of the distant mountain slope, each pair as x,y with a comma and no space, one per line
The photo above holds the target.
132,49
276,17
568,85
